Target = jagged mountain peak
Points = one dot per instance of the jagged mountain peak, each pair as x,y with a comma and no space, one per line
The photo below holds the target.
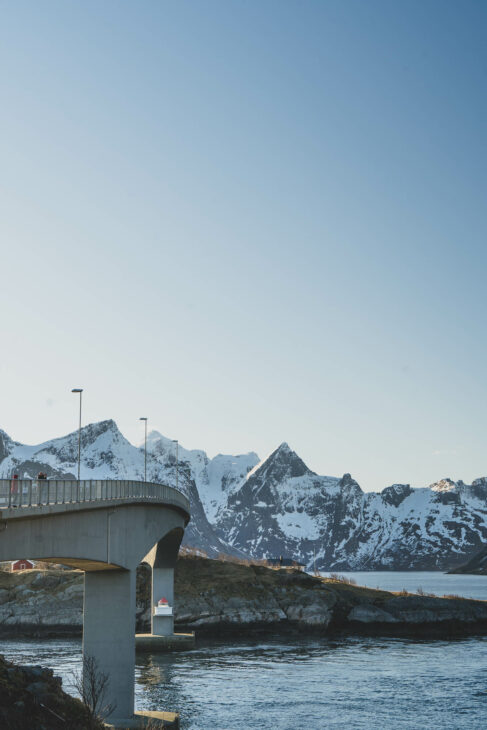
107,425
443,485
101,434
155,437
94,430
159,444
157,441
167,449
347,482
398,487
396,493
89,434
283,448
282,463
480,482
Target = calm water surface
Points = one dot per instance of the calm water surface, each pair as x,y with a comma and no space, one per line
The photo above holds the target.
306,684
303,685
469,586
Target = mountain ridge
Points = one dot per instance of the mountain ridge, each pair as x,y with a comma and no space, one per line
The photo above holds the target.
244,506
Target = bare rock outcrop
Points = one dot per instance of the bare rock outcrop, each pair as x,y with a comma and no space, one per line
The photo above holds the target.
215,596
32,697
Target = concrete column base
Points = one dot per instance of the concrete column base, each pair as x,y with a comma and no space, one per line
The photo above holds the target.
162,586
163,625
146,719
109,635
175,642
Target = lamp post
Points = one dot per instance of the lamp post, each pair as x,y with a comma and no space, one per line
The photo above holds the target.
145,448
175,441
80,391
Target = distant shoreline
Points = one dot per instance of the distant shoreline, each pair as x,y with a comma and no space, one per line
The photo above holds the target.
223,599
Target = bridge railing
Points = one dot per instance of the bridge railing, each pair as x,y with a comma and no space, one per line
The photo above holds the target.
37,492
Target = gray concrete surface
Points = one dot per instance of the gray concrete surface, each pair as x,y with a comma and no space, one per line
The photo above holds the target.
162,587
162,559
174,642
146,719
109,633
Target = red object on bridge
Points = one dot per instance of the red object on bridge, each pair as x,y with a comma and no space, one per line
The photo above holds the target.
14,485
163,602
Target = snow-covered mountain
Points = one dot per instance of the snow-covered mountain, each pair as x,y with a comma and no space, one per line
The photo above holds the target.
106,454
284,508
279,506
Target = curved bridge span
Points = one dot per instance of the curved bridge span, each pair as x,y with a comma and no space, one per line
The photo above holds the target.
44,492
105,528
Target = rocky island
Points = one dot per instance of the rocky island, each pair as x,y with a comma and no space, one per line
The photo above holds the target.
223,597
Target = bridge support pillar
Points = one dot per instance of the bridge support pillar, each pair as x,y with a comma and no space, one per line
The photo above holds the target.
162,587
109,634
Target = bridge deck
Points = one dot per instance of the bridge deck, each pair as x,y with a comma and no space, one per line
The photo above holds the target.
27,497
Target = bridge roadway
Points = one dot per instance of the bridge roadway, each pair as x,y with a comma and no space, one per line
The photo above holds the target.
105,528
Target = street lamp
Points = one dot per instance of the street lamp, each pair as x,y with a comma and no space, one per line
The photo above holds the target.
79,390
145,449
175,441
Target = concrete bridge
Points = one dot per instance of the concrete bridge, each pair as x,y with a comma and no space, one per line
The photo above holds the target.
105,528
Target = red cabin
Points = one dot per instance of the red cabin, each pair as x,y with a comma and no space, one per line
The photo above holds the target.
22,565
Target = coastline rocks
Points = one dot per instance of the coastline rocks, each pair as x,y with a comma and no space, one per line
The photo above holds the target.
32,697
371,615
423,609
41,601
234,611
214,597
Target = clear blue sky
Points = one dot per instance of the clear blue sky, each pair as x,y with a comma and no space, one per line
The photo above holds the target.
251,222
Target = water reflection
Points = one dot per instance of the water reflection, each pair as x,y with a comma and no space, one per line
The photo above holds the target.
151,673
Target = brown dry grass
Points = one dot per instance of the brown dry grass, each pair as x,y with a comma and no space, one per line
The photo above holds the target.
343,579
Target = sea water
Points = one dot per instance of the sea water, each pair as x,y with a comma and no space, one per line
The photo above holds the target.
303,683
468,586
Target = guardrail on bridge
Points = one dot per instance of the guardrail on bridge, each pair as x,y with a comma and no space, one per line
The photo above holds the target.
37,492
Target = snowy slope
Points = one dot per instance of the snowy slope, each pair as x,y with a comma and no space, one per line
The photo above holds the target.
215,478
224,474
284,508
106,454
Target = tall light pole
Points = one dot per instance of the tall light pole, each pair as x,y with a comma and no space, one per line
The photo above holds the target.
145,448
175,441
80,391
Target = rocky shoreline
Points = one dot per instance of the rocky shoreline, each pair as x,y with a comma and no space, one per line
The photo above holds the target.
32,697
215,597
